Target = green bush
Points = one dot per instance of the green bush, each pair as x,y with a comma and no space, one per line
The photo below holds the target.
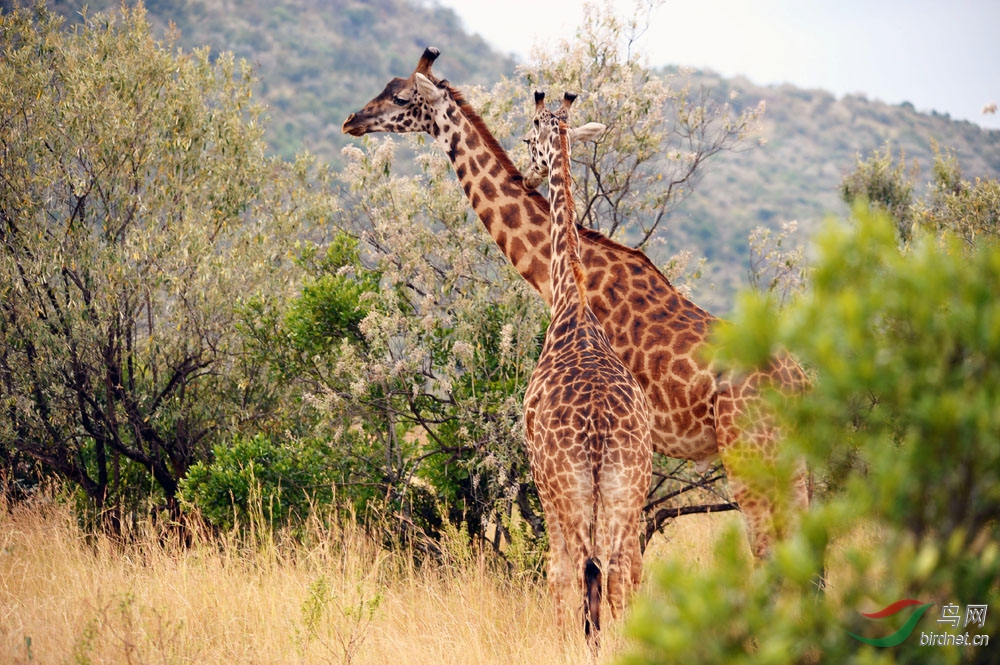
258,478
900,430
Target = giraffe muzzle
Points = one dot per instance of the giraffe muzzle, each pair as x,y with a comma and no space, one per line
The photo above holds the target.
353,126
532,179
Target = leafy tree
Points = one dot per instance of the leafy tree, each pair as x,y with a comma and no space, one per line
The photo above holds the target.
886,186
900,430
971,210
340,429
137,210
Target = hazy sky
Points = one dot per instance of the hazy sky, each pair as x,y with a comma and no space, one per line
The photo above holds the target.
941,55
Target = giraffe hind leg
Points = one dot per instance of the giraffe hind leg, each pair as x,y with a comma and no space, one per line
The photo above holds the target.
624,569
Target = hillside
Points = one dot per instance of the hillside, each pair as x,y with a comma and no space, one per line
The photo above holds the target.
812,140
318,60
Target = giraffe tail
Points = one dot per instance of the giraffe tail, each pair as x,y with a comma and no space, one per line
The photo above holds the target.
592,574
592,598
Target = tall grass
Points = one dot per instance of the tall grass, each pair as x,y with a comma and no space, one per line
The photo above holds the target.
330,595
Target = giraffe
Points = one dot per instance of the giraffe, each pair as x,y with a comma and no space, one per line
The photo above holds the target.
696,410
586,419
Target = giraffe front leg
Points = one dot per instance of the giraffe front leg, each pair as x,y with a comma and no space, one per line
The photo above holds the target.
771,499
757,513
802,488
635,551
747,450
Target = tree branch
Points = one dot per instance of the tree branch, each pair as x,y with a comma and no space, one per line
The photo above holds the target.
663,515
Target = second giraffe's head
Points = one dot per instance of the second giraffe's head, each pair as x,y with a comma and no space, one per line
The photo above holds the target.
405,105
543,138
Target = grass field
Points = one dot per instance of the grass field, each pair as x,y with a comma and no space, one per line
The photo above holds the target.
69,598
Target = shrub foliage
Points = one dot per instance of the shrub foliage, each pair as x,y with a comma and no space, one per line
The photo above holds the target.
899,431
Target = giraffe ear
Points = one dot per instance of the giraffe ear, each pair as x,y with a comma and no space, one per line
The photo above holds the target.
589,132
427,89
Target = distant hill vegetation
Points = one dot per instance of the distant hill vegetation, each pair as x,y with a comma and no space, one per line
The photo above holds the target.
318,60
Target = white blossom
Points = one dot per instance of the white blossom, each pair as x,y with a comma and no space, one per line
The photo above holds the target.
463,350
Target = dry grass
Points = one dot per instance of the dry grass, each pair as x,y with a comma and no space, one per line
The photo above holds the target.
67,598
693,539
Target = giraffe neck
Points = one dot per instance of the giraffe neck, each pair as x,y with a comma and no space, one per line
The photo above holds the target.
514,216
565,268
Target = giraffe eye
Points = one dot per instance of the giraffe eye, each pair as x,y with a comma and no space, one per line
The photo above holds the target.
400,101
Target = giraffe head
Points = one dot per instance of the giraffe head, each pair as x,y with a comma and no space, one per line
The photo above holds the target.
401,106
543,138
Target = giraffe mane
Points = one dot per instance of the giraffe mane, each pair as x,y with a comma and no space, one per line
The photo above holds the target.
492,144
567,183
572,234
